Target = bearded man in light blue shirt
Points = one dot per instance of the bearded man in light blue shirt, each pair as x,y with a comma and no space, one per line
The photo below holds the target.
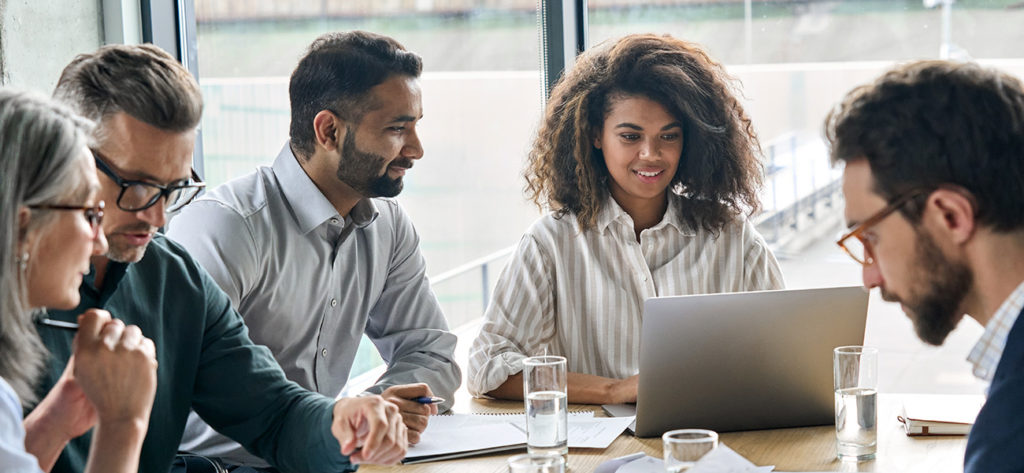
312,252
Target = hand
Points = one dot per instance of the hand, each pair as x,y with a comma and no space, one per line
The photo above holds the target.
65,413
115,367
67,404
414,414
624,390
370,430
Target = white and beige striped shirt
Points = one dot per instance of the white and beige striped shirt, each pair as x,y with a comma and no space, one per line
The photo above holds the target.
580,294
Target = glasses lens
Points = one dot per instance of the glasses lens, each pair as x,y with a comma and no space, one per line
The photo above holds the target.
855,247
180,197
138,197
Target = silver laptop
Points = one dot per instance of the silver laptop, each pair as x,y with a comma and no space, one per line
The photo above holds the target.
744,361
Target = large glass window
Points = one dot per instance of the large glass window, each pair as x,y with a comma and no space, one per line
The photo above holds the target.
481,96
794,61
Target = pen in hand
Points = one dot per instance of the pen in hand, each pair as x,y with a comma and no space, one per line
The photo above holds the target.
428,399
71,326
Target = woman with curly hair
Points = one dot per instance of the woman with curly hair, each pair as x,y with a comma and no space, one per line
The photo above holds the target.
649,167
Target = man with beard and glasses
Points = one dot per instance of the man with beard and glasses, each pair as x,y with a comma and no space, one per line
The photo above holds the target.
147,107
311,250
934,170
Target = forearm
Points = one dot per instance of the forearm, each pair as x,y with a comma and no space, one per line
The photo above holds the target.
43,439
582,389
116,447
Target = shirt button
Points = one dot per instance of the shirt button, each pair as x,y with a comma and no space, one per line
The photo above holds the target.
334,303
644,278
334,221
324,352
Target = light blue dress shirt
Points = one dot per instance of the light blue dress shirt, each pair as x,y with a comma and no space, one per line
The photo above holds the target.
309,283
13,457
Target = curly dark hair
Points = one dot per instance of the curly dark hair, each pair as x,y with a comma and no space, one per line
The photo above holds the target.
927,124
719,171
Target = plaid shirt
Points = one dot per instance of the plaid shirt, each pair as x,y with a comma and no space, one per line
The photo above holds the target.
989,349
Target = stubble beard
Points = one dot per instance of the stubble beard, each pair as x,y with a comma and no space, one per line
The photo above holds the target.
358,169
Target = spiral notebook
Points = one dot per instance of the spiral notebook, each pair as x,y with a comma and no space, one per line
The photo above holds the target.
464,435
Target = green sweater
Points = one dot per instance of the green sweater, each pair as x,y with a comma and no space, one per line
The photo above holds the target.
207,363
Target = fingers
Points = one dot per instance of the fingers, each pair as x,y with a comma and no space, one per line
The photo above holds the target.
378,422
414,413
408,391
370,430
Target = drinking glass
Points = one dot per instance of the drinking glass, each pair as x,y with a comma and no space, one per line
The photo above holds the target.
856,382
682,448
544,391
537,463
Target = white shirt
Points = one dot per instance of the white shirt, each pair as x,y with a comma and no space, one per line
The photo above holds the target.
13,457
989,349
580,294
309,283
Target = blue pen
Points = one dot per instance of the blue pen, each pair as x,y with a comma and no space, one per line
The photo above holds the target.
428,399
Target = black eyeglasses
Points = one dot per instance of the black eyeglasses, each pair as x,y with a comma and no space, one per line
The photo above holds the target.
854,242
136,196
94,214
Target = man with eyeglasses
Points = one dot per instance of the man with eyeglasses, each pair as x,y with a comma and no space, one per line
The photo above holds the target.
147,108
934,187
314,253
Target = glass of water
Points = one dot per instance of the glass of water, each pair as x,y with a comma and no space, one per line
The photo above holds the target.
547,420
682,448
856,382
537,463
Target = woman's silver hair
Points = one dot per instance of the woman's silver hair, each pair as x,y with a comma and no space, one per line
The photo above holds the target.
39,140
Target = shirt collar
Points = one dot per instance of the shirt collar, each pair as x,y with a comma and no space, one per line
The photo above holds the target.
988,351
309,206
611,212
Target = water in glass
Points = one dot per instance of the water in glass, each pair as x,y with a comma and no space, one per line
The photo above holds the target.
546,420
856,423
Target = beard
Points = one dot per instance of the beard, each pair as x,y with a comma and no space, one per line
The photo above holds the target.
359,170
122,252
935,311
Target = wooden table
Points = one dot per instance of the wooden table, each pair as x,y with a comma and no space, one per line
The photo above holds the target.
796,449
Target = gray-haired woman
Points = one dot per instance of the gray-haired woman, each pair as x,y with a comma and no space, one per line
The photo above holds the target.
49,227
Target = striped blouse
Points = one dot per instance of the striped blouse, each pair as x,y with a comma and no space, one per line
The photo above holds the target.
580,294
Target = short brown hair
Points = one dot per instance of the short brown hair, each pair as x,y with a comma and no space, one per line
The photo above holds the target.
719,171
931,123
141,80
337,73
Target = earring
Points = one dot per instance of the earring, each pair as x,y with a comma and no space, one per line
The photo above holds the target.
22,261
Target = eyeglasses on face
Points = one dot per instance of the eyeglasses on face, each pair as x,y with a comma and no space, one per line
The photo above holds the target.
136,196
93,214
856,245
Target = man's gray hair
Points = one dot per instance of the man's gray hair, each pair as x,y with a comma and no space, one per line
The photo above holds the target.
140,80
39,140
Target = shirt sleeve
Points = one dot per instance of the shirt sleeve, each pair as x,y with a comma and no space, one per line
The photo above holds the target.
13,456
518,323
241,391
762,271
222,242
407,325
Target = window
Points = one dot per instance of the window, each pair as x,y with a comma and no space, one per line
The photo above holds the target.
481,97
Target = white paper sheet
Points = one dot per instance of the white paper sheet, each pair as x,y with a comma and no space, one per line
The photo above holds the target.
587,431
721,460
471,433
465,433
